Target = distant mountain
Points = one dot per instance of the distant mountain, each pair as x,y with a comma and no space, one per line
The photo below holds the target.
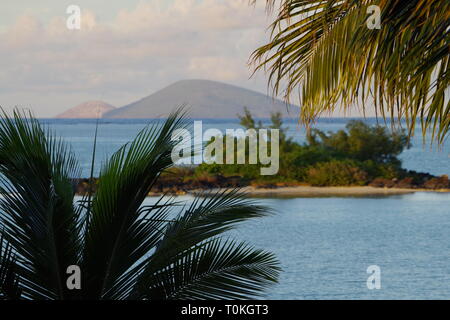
204,99
87,110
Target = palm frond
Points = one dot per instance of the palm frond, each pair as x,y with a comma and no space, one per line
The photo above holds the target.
324,52
215,270
207,217
125,250
114,231
37,204
10,288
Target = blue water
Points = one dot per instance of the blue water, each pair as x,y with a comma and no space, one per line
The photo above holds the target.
326,244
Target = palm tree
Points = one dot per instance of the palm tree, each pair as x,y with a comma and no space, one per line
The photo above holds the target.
325,52
124,250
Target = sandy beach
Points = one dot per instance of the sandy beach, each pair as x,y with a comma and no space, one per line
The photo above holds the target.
308,191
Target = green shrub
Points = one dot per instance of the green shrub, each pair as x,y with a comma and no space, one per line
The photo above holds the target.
363,142
336,173
381,170
353,156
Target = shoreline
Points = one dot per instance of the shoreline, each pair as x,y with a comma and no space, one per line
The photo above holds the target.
317,192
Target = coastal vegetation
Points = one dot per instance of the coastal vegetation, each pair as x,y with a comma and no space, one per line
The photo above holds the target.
359,155
354,156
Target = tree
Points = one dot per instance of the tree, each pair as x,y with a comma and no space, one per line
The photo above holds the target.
248,122
327,52
362,142
124,250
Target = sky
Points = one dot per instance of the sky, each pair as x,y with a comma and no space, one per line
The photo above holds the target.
125,50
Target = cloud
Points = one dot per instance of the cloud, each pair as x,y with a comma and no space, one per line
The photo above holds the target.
23,32
224,68
140,51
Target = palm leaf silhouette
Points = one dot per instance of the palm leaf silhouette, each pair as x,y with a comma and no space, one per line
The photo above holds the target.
124,250
324,53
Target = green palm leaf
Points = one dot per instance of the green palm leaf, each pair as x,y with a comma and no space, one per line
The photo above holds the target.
37,204
215,270
324,52
114,230
205,219
9,280
125,250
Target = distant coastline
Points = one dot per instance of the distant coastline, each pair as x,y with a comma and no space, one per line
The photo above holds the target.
270,191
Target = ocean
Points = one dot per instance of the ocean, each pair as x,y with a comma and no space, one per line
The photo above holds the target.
325,245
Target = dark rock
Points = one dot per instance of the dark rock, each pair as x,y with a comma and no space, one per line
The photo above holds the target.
437,183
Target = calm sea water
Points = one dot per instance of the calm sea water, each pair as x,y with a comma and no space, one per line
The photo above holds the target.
326,244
